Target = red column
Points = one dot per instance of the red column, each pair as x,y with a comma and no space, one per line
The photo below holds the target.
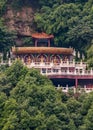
76,82
35,42
48,42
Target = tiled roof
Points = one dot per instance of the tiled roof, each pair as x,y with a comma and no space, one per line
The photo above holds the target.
41,50
42,35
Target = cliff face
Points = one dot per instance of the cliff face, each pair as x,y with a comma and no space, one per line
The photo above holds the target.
20,21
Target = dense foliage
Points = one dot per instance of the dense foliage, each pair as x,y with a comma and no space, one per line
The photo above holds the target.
7,38
71,23
29,101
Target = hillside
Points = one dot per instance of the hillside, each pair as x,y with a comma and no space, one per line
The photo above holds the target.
28,98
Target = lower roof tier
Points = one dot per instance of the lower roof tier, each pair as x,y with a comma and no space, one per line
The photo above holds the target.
41,50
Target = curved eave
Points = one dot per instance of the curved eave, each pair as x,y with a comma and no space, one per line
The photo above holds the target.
42,36
41,50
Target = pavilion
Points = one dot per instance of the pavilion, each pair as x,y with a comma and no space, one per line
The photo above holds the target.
56,63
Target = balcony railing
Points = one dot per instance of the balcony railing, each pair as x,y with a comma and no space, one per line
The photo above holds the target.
62,68
51,64
75,90
59,72
62,64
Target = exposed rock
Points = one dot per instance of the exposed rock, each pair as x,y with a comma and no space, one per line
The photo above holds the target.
20,21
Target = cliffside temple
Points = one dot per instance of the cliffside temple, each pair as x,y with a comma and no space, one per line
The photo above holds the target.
56,63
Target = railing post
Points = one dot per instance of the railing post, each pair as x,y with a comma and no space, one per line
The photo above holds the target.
75,72
76,82
67,88
41,71
74,89
67,62
2,58
61,62
51,64
58,87
73,62
91,71
46,71
67,70
9,62
85,88
83,72
22,60
32,64
81,63
59,71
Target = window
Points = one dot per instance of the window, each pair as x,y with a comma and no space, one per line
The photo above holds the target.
43,70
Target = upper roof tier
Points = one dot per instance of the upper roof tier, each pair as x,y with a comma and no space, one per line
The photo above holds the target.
42,36
41,50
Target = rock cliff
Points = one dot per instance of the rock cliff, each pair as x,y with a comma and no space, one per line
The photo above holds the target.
20,21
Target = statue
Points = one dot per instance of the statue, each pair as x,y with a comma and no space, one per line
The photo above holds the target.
42,59
55,60
29,60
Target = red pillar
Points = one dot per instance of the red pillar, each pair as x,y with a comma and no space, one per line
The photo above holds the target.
48,42
35,42
76,82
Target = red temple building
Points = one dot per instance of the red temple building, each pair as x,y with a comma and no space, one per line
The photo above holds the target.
56,63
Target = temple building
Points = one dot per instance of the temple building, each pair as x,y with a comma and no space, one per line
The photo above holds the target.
56,63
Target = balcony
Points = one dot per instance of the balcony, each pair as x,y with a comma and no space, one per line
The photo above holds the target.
57,65
63,68
66,72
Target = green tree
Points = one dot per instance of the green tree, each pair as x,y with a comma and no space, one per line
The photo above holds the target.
16,72
74,107
2,6
9,119
5,85
90,56
58,20
3,99
7,39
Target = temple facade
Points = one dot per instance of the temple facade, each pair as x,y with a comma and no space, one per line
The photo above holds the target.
56,63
